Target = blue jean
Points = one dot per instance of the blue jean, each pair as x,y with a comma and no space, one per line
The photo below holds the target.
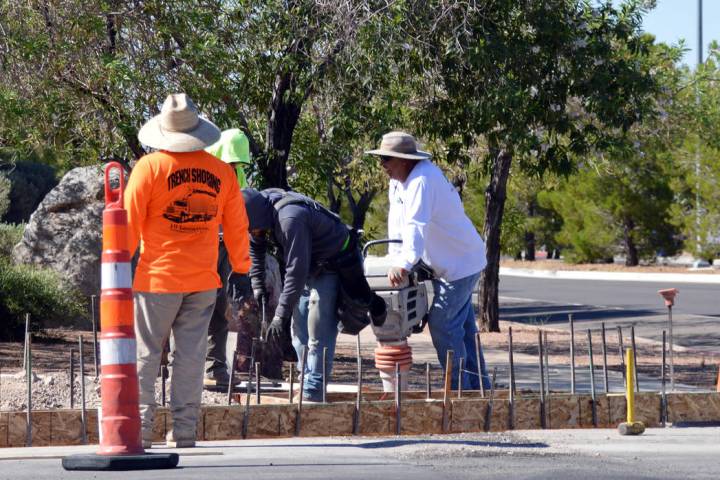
314,325
452,327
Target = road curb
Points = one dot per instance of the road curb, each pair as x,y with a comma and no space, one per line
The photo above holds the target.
611,276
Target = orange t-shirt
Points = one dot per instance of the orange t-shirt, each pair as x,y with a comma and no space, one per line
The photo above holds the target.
175,203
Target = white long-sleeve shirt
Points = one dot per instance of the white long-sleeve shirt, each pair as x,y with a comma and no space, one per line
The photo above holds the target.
427,214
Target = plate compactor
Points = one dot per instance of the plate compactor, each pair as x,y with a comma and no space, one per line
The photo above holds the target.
407,309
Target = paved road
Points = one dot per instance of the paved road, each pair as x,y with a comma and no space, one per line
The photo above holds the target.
557,455
696,316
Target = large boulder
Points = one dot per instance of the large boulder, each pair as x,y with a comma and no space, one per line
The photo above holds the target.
65,232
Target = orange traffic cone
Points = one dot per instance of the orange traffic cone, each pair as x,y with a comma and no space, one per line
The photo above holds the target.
120,433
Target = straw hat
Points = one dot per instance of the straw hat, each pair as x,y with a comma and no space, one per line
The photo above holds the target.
178,127
399,145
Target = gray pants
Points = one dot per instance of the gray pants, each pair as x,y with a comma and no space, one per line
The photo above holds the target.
186,316
215,363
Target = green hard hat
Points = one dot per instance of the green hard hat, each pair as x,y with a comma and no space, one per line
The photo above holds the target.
233,147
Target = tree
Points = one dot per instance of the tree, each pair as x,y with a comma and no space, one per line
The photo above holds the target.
541,83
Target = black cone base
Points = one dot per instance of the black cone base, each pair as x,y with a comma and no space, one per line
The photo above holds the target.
147,461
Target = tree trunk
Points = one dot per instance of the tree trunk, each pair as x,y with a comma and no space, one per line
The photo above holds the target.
495,195
282,119
530,246
631,252
359,207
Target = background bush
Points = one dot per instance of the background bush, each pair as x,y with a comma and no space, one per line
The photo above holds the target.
10,235
29,183
41,293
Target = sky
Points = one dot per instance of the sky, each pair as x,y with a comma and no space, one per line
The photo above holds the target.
673,20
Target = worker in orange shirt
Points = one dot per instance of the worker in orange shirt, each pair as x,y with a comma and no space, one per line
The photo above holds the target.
176,198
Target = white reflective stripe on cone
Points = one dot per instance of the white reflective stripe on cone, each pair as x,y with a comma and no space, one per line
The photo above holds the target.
117,351
115,275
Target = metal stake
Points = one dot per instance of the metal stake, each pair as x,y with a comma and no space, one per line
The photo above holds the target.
358,398
95,339
398,401
604,354
461,374
83,417
592,379
428,391
635,374
231,383
163,381
298,414
72,378
28,374
622,355
488,411
447,388
663,399
291,392
572,354
542,380
671,349
324,375
248,390
258,388
547,364
480,364
511,385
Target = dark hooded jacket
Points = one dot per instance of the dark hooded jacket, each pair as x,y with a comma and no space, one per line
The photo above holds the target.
306,238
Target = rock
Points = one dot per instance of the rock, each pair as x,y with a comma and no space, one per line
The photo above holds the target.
65,232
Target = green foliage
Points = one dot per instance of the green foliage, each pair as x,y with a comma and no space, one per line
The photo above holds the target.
10,235
41,293
5,187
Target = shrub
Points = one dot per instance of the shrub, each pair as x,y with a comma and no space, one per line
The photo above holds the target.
41,293
5,187
10,235
30,182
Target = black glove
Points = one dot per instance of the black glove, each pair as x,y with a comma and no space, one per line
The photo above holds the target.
238,287
279,327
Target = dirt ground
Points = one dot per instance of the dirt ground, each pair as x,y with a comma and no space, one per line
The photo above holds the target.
604,267
51,353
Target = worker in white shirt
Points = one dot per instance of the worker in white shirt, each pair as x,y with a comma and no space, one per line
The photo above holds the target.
426,213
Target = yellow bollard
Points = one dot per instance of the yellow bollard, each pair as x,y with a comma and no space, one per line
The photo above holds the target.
631,427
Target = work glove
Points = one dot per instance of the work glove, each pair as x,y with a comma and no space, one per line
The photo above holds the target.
238,287
260,295
279,327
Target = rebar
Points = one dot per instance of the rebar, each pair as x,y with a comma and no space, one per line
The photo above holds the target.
248,389
604,354
28,374
358,398
95,339
480,364
621,351
163,382
428,390
231,382
83,413
511,383
447,388
542,379
72,378
461,374
572,354
298,415
663,398
398,400
635,360
547,364
291,389
592,379
671,348
324,375
258,387
488,411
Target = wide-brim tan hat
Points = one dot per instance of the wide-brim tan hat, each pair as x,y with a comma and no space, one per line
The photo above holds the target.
178,127
399,145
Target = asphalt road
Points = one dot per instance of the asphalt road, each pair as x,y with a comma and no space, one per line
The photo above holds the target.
696,315
557,455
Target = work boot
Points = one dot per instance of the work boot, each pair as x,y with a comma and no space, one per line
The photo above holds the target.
216,379
312,396
180,442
